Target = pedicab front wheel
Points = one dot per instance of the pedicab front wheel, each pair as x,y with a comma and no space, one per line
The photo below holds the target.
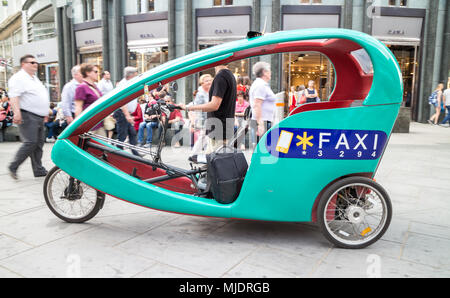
354,212
69,199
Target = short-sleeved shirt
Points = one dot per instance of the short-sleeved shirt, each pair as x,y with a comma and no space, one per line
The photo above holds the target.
87,93
240,108
132,105
105,86
32,94
68,98
176,113
260,89
202,97
223,86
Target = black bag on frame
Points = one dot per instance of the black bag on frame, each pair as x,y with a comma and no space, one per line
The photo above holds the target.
226,174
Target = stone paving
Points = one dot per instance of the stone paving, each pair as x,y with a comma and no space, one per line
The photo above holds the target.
124,240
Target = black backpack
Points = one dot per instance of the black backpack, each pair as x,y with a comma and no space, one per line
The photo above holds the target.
226,174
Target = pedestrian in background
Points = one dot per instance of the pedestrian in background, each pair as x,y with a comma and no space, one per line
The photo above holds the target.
50,123
30,104
311,92
446,100
435,100
105,85
262,101
124,118
6,114
198,118
241,106
87,93
68,94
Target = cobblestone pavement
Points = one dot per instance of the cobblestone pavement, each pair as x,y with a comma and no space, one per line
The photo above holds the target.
130,241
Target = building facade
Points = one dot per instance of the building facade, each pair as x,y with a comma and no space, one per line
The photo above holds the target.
146,33
10,37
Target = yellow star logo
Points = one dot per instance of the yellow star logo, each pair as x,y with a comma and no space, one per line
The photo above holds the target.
305,141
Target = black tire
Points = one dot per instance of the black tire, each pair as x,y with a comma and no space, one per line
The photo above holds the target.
349,212
81,192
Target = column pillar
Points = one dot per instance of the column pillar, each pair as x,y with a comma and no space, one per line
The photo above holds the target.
348,14
276,58
428,61
445,70
188,47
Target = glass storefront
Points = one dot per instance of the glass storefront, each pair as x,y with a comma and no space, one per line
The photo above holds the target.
301,67
95,59
48,75
147,58
240,68
407,60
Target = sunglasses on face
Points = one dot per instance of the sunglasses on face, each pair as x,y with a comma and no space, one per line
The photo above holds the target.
33,62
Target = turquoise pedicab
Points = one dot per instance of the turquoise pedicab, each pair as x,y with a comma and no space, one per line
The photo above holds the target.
316,165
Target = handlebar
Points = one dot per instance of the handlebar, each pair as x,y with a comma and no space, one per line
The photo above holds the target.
170,107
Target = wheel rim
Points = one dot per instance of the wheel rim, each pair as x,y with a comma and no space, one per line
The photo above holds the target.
355,214
75,205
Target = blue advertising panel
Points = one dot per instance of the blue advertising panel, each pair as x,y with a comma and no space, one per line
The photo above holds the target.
326,143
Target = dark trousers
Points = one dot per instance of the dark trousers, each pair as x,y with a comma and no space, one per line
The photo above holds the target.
124,130
32,134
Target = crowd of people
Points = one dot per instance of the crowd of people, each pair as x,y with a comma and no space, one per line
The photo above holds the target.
218,100
217,111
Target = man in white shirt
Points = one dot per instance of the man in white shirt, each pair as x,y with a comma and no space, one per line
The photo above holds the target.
31,105
105,85
68,94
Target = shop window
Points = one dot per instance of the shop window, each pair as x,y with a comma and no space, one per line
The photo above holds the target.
301,67
145,5
151,5
222,2
398,2
145,59
88,10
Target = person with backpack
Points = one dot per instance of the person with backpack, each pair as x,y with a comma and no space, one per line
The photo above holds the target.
6,115
435,100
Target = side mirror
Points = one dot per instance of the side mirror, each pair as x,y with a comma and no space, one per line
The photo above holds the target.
174,86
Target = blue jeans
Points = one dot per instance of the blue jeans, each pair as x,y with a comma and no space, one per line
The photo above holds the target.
50,129
149,126
447,118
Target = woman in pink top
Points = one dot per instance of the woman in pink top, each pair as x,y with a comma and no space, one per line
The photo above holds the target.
87,93
241,106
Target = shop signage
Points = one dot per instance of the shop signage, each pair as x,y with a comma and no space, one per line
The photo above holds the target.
396,32
389,28
45,51
223,31
326,144
305,21
88,37
219,27
147,30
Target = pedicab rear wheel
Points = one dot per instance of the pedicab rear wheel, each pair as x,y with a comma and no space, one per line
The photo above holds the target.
354,212
69,199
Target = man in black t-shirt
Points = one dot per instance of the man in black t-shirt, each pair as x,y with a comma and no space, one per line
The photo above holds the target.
221,106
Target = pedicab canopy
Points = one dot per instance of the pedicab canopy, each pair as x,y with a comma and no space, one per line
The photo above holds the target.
298,158
353,55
